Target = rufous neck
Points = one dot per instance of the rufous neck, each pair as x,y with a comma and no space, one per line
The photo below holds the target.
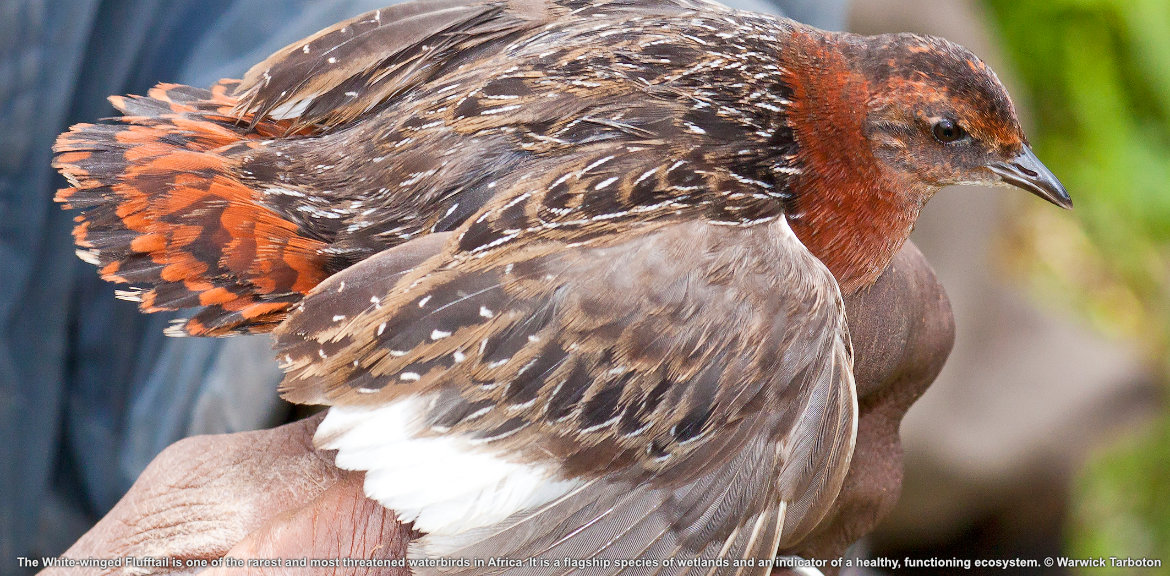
849,209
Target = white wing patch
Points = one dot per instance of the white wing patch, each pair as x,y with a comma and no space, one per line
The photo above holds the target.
445,485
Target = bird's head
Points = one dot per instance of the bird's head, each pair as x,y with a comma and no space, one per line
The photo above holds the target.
881,123
936,112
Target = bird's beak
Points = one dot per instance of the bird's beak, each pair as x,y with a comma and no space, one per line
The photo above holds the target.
1028,172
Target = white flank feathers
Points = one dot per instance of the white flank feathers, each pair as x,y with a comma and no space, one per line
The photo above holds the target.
445,484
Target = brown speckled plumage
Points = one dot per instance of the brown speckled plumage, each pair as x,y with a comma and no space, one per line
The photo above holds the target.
608,237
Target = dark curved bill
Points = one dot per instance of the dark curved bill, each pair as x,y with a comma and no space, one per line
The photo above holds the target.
1028,172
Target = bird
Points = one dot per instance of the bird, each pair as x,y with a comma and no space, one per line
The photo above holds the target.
567,274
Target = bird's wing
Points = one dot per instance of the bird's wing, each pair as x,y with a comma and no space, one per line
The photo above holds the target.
703,367
342,71
351,67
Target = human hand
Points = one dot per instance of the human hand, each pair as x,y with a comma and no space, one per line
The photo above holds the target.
249,496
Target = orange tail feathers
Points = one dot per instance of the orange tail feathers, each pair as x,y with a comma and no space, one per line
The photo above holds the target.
163,212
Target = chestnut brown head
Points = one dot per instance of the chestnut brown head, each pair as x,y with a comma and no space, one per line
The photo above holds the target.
939,113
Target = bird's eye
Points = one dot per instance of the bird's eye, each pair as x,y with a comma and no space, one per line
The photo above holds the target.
946,130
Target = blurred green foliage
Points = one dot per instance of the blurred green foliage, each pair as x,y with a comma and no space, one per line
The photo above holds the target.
1096,75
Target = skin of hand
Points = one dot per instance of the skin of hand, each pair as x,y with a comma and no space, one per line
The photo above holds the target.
270,495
